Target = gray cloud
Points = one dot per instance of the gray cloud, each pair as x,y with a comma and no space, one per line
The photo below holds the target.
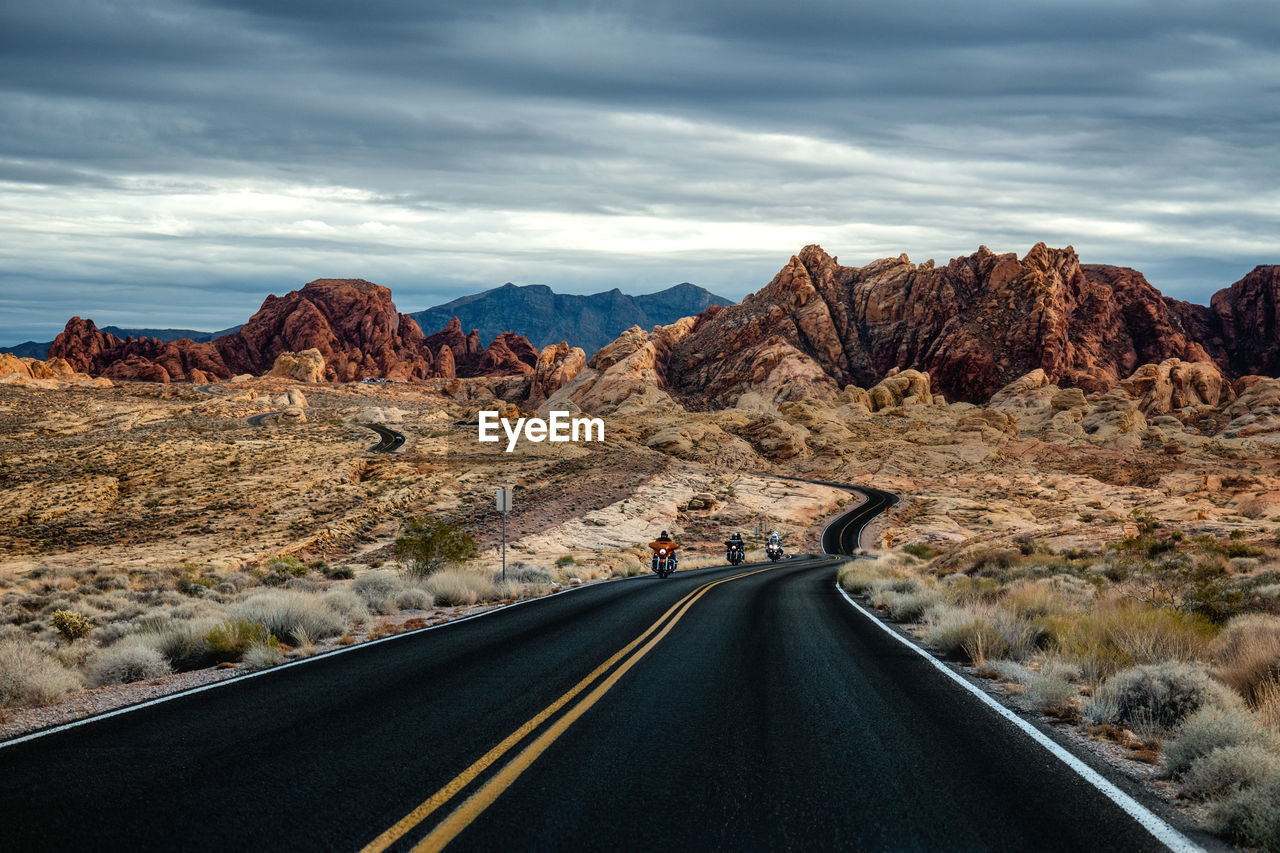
169,163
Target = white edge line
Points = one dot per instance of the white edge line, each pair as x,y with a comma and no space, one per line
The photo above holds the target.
84,721
1163,832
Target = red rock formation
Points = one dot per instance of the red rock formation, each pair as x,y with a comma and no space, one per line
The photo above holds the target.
352,323
973,325
1241,326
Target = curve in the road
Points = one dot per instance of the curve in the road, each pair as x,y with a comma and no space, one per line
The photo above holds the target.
389,439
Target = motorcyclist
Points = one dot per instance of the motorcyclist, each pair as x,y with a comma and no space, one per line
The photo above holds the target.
775,539
664,543
734,543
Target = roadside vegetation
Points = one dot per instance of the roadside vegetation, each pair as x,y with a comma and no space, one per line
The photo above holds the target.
1165,644
63,630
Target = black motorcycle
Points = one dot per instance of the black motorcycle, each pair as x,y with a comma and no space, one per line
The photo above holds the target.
734,553
664,563
773,551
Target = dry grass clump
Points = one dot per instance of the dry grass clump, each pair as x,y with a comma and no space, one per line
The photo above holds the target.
1267,703
1155,698
380,591
283,612
263,656
28,676
1248,655
1121,633
979,632
1050,690
460,588
858,577
183,643
126,662
347,604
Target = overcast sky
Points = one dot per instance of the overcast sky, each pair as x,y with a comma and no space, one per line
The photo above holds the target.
170,163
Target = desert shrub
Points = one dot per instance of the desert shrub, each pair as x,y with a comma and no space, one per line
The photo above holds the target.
126,662
1120,634
429,545
414,599
1012,671
1049,691
1154,697
278,570
1229,769
920,549
1251,817
70,624
379,589
228,641
28,676
525,573
989,563
339,573
263,655
1210,728
962,589
1248,654
858,578
282,612
566,560
911,606
1267,702
459,588
182,643
968,633
347,604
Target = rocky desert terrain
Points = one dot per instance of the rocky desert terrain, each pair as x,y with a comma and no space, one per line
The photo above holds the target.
1058,433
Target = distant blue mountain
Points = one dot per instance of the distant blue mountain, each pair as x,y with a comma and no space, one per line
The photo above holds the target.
546,317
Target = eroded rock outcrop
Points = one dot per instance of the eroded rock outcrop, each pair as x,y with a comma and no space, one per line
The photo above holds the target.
351,325
305,366
973,326
1173,384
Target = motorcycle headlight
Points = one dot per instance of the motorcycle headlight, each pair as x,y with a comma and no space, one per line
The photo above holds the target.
662,551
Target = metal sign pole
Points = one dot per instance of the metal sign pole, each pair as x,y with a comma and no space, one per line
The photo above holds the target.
504,496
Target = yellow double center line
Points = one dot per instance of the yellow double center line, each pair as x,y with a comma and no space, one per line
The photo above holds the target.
468,811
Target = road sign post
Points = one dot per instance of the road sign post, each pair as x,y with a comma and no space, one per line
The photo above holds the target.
504,496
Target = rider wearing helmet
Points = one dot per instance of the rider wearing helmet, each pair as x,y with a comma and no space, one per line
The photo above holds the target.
664,545
774,538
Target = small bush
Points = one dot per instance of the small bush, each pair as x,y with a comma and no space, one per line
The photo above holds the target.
430,545
537,575
920,549
1120,634
379,589
1248,654
1267,702
458,588
1048,691
858,578
228,641
1230,769
966,633
263,655
28,676
1251,817
911,606
566,560
1211,727
70,624
1154,698
181,642
963,590
126,662
347,604
282,612
414,599
339,573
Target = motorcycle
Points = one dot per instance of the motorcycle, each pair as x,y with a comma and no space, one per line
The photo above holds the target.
663,563
773,551
734,554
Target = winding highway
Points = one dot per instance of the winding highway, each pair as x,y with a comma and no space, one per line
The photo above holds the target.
744,708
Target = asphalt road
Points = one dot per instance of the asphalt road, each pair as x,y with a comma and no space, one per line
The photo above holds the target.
759,713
